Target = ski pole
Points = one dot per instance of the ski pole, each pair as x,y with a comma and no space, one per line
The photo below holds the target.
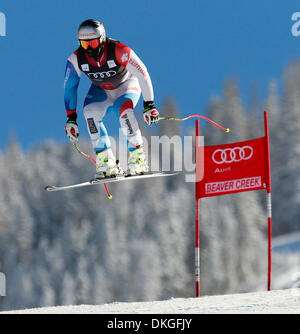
194,115
90,157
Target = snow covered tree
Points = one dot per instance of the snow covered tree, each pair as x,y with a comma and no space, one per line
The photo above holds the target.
286,181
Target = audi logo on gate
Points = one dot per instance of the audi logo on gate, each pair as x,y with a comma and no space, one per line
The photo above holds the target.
102,75
235,154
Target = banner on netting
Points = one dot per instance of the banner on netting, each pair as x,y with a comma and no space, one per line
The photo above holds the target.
235,167
232,168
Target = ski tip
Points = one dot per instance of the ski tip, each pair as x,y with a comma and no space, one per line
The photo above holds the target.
49,188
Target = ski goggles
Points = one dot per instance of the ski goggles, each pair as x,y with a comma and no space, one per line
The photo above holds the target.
93,43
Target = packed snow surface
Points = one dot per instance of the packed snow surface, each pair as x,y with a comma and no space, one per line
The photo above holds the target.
279,302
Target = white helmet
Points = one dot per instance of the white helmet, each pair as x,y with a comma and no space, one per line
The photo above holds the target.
90,30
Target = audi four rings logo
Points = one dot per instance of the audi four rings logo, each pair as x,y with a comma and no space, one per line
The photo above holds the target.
102,75
235,154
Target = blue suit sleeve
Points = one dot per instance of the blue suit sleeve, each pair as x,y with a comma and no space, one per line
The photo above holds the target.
70,87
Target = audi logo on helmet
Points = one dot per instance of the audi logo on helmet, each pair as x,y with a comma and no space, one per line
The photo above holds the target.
229,155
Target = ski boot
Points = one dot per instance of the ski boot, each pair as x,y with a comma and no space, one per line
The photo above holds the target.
137,163
106,165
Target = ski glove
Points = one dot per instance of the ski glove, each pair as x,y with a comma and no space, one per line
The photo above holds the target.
72,131
151,115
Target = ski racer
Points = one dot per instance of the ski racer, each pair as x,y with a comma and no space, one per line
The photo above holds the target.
118,78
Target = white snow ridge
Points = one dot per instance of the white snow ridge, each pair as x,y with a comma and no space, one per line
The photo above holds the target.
268,302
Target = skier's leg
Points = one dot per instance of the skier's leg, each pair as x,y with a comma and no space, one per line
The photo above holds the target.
124,109
95,107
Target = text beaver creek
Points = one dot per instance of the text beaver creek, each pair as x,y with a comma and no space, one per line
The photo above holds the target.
135,325
233,185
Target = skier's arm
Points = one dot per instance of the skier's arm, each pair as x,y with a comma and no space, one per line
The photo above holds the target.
128,58
139,70
72,78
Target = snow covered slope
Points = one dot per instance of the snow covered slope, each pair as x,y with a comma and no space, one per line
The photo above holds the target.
278,302
285,298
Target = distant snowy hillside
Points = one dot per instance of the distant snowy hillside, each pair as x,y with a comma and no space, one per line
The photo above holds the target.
279,301
286,261
287,243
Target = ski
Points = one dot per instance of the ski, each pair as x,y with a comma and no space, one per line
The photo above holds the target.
95,181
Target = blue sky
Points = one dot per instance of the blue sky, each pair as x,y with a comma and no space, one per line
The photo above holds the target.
190,48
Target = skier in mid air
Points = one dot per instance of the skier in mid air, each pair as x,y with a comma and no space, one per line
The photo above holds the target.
118,78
